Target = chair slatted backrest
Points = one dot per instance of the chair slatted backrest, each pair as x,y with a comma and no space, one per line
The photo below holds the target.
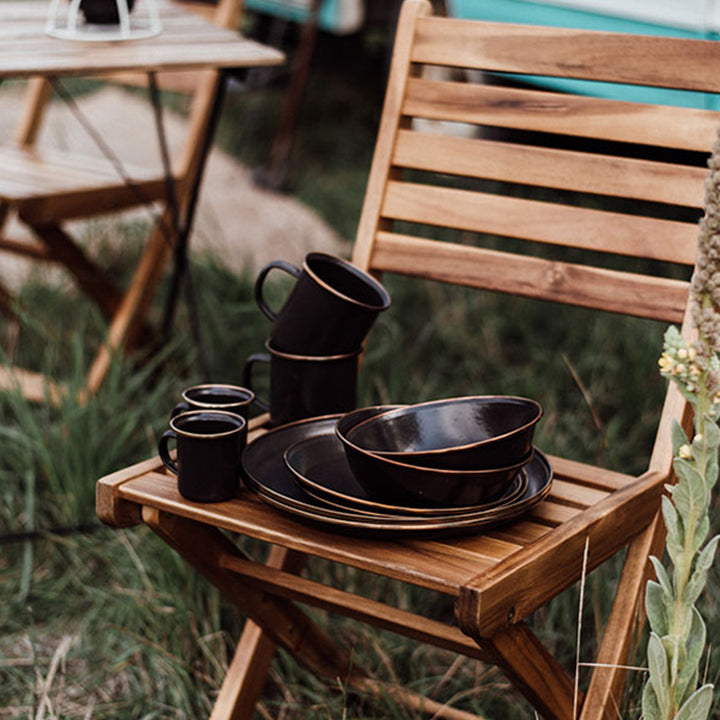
637,192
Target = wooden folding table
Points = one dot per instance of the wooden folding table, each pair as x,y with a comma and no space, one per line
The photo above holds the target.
45,198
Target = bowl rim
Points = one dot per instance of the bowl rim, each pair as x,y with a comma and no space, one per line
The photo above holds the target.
391,454
476,473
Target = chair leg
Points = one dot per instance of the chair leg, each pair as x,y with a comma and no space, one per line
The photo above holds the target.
248,670
204,548
533,671
604,695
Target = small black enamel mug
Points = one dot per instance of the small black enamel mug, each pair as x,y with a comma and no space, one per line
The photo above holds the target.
216,396
209,446
329,310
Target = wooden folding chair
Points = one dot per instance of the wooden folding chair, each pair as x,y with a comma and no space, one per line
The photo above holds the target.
501,576
47,188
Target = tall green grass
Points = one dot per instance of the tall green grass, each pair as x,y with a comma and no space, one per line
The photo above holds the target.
147,637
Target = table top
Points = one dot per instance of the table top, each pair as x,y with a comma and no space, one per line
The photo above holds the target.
186,41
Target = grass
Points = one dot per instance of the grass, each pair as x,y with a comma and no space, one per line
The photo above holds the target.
112,624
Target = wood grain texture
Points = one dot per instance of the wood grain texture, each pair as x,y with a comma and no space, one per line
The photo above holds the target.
527,663
187,42
570,53
247,673
534,277
517,587
570,170
577,116
540,221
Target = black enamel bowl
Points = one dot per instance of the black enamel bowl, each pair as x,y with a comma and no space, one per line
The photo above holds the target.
464,433
399,483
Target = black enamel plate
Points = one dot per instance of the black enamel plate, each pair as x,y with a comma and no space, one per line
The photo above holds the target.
266,473
321,467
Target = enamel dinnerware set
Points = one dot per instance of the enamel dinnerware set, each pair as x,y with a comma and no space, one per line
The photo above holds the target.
447,466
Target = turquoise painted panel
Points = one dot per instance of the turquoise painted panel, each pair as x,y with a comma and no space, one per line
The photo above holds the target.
534,13
333,14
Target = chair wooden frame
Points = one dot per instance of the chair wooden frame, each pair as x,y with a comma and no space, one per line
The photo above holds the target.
45,189
502,576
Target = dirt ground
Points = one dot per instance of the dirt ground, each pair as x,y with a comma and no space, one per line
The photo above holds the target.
240,223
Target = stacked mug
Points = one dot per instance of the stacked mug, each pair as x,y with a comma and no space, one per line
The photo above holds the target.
209,427
316,337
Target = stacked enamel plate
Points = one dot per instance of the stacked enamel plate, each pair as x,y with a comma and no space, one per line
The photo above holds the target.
443,467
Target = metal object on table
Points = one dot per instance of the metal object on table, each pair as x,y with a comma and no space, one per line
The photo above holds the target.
64,21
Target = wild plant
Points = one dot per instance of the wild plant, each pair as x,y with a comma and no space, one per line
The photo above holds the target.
677,629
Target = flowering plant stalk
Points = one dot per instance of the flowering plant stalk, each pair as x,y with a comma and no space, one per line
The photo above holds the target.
677,630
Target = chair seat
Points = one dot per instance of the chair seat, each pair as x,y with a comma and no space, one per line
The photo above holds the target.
448,565
48,185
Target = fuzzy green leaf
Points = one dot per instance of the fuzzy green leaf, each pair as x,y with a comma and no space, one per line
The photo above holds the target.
673,526
679,437
701,532
694,649
697,706
712,434
675,655
690,495
659,672
655,607
711,471
672,337
661,574
698,579
650,708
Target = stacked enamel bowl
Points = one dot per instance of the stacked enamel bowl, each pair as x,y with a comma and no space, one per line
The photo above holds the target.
444,467
462,451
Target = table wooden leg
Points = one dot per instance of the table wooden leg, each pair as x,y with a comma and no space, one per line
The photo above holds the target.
87,274
134,303
248,670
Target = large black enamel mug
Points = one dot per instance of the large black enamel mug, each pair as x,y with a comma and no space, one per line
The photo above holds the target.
329,310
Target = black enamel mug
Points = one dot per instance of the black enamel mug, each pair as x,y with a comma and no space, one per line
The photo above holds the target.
209,446
305,386
216,396
329,310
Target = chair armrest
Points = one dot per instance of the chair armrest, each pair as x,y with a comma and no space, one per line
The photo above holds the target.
526,580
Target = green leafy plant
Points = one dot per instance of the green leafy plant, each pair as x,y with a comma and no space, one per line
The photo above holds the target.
677,637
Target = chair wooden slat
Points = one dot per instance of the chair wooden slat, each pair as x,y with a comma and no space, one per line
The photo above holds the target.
554,223
564,52
611,290
546,167
573,115
574,494
441,569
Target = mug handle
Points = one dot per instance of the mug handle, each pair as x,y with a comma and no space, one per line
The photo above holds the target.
181,407
168,462
275,264
247,377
